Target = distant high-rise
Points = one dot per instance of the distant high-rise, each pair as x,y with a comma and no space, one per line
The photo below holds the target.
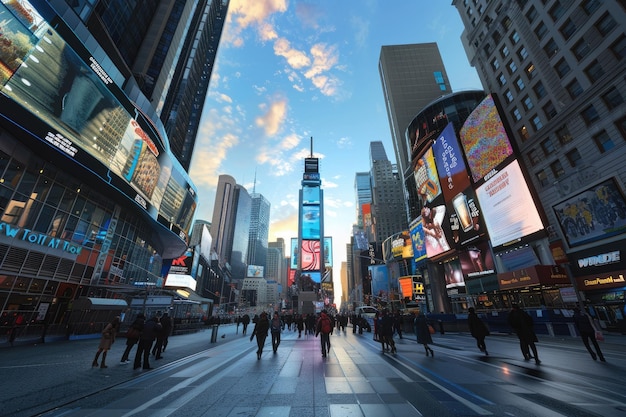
363,193
259,230
387,196
412,76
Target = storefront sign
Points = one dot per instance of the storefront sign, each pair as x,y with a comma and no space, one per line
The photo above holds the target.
40,239
534,275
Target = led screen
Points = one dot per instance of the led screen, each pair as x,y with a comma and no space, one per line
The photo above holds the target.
310,195
255,271
380,283
294,253
311,222
453,273
594,214
477,260
417,239
328,252
310,255
484,139
508,207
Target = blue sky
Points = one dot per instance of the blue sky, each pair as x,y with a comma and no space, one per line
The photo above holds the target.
290,70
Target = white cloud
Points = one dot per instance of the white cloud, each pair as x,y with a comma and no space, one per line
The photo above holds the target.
272,120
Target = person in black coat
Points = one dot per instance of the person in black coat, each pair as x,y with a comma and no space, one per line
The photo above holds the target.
587,331
261,327
478,329
422,331
522,324
132,336
150,331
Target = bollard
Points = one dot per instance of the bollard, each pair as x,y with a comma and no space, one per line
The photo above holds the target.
214,333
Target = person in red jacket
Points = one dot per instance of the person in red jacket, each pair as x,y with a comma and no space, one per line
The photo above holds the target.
325,328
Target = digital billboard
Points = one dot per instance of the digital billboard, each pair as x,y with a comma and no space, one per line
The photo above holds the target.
255,271
453,273
417,239
328,252
380,282
311,222
508,206
484,139
477,260
55,91
310,257
310,195
294,253
398,246
594,214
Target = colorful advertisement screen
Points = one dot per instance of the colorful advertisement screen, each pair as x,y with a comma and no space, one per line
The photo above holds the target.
311,222
294,253
380,283
484,139
417,239
453,273
328,252
508,207
310,255
310,195
597,213
477,260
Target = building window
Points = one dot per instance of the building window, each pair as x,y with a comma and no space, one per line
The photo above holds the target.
563,135
534,157
504,51
562,68
540,90
519,83
522,53
536,122
509,96
514,37
612,98
603,141
528,103
517,116
501,80
581,49
568,29
556,11
590,115
590,6
574,157
496,36
542,178
507,22
440,81
551,48
557,169
606,24
495,64
541,30
512,67
523,133
619,47
594,71
574,89
530,71
487,49
549,110
548,147
621,126
531,14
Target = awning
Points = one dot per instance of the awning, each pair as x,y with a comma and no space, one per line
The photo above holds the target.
91,303
547,275
187,294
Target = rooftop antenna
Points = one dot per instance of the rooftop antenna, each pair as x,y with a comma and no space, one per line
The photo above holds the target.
311,146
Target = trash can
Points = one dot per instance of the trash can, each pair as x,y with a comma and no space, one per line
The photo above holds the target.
214,333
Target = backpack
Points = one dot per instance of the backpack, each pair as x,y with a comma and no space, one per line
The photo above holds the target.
326,326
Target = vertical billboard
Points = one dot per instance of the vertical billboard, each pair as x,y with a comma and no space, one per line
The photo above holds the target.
380,283
462,205
310,257
453,273
418,241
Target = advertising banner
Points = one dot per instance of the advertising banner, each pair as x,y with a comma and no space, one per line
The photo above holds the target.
310,255
380,283
597,213
417,239
484,139
477,260
453,273
508,207
311,222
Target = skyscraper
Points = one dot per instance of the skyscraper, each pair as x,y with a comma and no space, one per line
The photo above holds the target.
363,193
259,230
412,76
559,70
388,212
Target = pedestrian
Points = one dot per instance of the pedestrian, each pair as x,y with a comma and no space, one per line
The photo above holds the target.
385,331
422,331
107,338
162,336
324,328
132,336
478,330
276,326
150,331
300,325
522,324
261,327
587,329
397,323
245,320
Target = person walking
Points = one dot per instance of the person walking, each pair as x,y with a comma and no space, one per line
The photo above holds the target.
261,327
245,320
397,323
422,332
587,330
107,339
385,331
162,336
478,330
522,324
276,326
324,328
132,336
300,325
150,331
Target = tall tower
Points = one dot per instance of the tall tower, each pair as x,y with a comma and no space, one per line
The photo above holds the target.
259,230
387,195
412,76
